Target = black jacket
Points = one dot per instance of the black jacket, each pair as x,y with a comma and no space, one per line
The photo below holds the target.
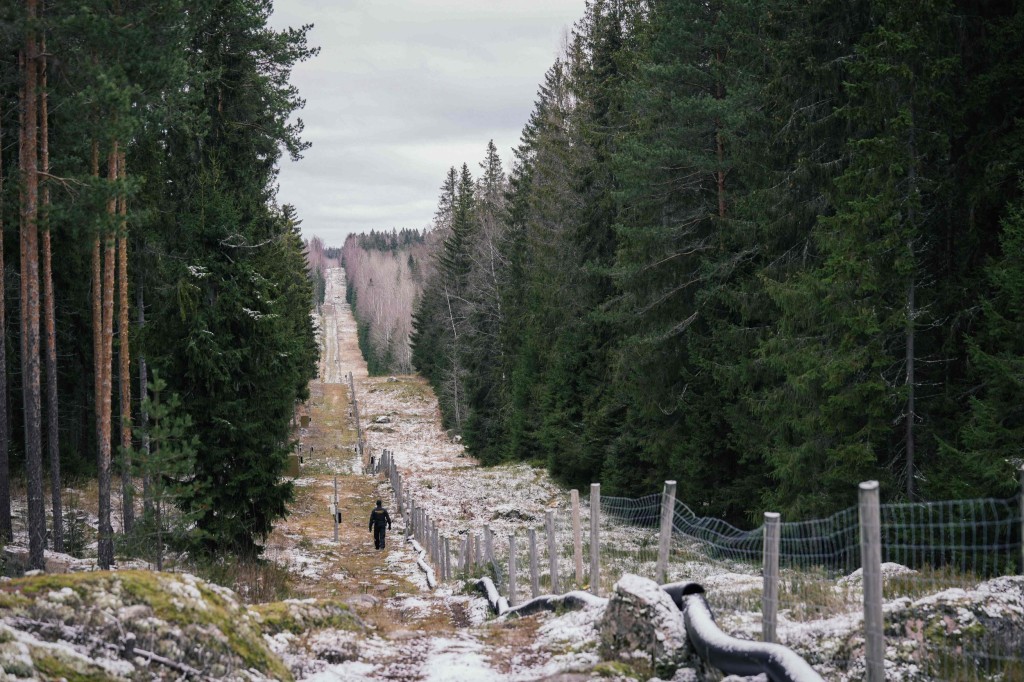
378,517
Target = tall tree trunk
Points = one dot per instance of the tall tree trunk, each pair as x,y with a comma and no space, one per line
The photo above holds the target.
6,532
30,301
97,361
910,390
124,355
455,361
50,338
105,549
147,501
720,145
911,314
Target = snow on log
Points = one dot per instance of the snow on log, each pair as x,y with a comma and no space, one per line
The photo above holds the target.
420,554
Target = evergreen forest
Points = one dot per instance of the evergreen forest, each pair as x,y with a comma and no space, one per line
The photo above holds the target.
766,249
155,304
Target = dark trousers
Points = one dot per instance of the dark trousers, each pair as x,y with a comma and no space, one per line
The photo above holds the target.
378,537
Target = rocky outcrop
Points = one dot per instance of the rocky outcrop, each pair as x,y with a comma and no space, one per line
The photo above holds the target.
984,624
643,628
140,625
959,622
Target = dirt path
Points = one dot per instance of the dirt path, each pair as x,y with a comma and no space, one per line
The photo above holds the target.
417,633
320,565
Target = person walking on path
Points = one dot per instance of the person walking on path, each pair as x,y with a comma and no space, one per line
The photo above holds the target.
379,520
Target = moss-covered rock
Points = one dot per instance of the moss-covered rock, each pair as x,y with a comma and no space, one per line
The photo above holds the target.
131,625
299,615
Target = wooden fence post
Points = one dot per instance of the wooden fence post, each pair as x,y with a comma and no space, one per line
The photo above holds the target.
534,570
871,564
770,593
1022,518
552,551
478,557
577,534
435,542
488,543
511,570
408,518
595,554
668,512
335,509
359,430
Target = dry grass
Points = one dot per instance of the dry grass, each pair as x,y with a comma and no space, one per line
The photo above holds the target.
408,387
350,566
514,635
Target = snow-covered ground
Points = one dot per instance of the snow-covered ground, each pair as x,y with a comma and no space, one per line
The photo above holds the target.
443,634
414,631
461,497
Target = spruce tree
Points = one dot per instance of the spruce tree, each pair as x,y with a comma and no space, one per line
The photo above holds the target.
483,356
861,309
990,459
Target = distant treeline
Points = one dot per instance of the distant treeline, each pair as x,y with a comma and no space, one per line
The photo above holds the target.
384,278
766,249
389,241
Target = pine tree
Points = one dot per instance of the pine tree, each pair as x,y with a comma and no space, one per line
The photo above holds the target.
989,461
6,532
49,322
539,179
30,346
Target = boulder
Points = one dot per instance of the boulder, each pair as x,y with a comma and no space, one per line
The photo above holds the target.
922,634
17,562
643,628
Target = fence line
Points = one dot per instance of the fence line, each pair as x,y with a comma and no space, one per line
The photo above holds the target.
812,574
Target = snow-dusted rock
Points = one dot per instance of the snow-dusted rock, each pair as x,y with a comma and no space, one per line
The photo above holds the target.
130,625
919,634
988,618
643,628
889,570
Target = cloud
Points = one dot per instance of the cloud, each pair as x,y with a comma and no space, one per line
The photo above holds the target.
401,91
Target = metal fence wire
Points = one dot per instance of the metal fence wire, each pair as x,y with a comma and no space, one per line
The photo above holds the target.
953,600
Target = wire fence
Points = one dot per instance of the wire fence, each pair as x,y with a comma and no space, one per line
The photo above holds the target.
949,576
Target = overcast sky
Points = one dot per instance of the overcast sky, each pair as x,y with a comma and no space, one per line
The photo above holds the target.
401,91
